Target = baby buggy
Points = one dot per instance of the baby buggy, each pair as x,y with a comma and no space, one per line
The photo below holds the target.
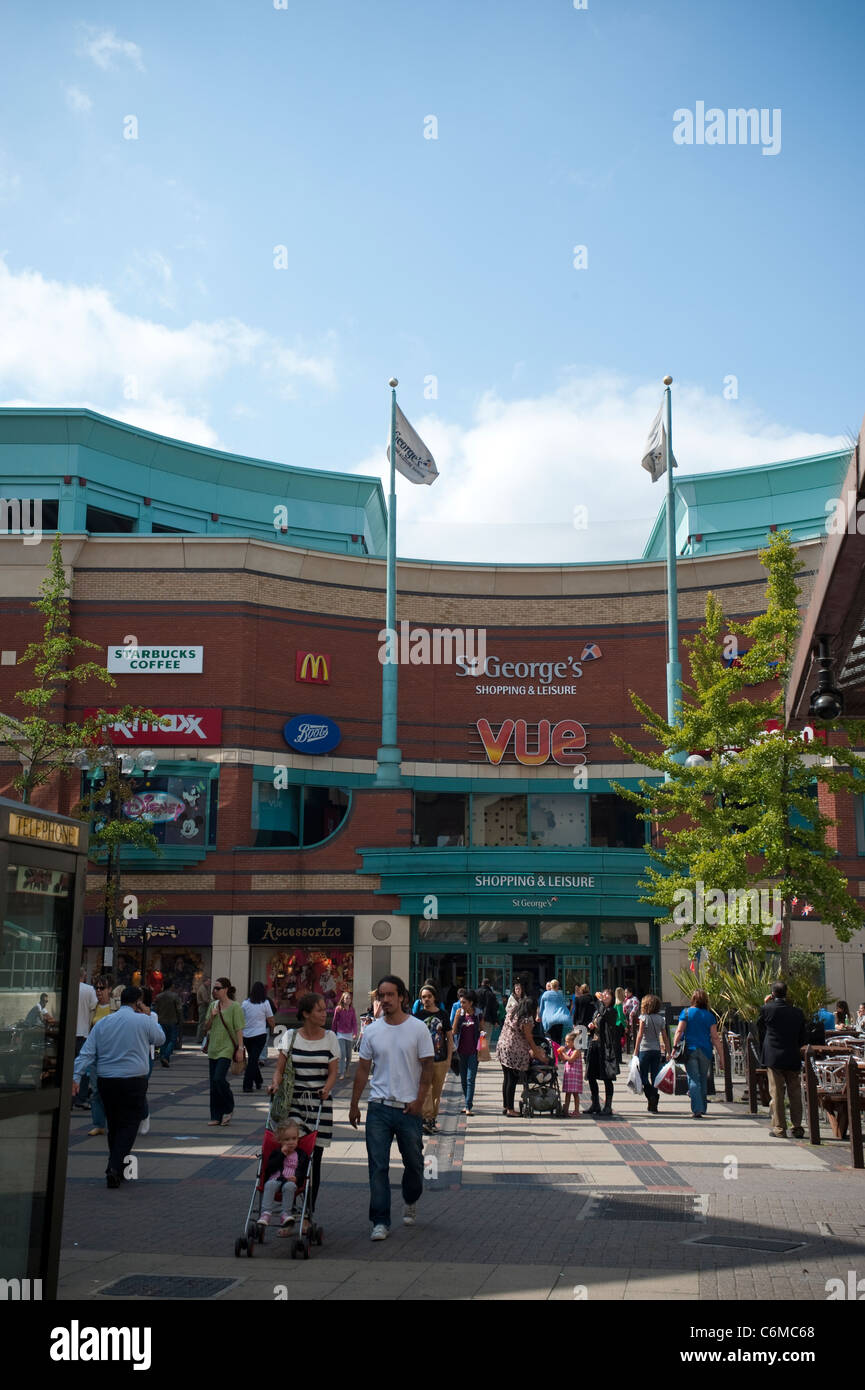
310,1233
541,1094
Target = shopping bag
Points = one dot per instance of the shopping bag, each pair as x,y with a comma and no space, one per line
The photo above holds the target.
681,1080
635,1080
666,1079
484,1049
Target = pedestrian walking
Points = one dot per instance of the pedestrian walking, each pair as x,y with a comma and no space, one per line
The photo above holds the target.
602,1057
650,1046
203,996
572,1079
585,1006
468,1035
224,1029
621,1020
436,1020
631,1010
257,1027
417,1006
781,1027
87,1002
313,1051
488,1003
554,1013
698,1027
516,997
344,1024
120,1046
169,1010
102,1010
516,1049
400,1048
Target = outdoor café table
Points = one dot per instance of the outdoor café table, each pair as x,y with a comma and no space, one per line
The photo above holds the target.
835,1106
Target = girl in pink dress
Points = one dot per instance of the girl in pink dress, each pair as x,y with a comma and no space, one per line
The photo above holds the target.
572,1082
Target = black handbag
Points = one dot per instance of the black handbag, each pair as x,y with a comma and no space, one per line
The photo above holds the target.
680,1049
681,1080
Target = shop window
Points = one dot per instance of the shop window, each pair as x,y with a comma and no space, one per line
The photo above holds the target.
499,820
503,929
799,821
626,932
614,823
294,816
440,818
174,806
160,530
100,520
571,932
443,929
324,810
558,821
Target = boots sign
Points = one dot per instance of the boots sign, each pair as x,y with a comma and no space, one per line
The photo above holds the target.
534,744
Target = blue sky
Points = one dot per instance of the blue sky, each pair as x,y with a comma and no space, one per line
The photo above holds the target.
139,273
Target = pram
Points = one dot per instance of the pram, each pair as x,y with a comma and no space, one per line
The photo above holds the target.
310,1234
541,1093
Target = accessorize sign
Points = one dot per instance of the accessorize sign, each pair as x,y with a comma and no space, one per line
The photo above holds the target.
311,733
50,832
156,661
332,931
180,728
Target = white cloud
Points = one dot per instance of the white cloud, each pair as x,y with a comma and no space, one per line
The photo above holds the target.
103,46
71,345
77,100
511,479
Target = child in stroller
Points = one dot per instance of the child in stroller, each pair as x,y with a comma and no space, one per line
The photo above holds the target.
541,1094
286,1163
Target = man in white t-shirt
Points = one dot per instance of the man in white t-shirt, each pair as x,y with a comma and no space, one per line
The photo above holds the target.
87,1002
402,1050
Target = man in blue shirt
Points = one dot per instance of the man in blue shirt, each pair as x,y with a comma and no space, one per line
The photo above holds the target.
119,1046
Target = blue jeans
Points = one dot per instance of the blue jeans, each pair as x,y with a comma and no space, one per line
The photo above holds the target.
165,1051
697,1066
97,1109
384,1123
346,1047
468,1072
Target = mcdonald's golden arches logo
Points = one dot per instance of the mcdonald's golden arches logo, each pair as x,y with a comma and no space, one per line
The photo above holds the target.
312,667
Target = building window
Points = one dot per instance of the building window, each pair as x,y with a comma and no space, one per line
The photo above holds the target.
159,530
100,520
626,932
502,930
574,933
440,818
499,820
558,821
175,807
295,817
443,929
614,823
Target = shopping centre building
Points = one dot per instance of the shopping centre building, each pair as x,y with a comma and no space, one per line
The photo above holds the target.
243,600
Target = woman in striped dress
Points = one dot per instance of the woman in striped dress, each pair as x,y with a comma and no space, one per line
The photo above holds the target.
314,1052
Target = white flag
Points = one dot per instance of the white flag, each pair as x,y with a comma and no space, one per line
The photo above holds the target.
655,456
413,458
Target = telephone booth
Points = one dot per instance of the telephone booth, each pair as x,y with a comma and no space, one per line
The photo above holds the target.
43,858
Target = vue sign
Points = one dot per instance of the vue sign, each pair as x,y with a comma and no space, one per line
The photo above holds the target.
561,741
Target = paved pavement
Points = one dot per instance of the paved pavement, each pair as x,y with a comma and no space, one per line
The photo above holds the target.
633,1207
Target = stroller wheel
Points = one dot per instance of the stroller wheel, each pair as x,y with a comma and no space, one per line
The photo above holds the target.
250,1248
252,1234
295,1246
305,1245
238,1246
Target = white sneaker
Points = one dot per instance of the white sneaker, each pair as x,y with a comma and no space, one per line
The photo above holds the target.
144,1127
380,1233
409,1215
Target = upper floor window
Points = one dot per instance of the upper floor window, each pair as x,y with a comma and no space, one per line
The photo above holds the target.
614,822
293,817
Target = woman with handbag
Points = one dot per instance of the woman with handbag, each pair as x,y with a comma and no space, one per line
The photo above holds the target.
224,1032
467,1038
651,1043
602,1057
696,1036
311,1052
516,1049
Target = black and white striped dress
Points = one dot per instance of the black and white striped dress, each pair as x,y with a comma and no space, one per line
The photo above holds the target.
311,1059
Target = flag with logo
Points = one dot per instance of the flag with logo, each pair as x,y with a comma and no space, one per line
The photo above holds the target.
655,455
413,458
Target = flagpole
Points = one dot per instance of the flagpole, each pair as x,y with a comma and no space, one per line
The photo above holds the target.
674,667
389,756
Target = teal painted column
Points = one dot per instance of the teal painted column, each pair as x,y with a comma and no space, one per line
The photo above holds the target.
389,756
674,667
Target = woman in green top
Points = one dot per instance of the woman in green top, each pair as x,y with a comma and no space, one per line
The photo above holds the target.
224,1029
621,1018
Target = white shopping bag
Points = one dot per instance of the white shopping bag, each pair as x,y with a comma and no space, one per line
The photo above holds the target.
635,1081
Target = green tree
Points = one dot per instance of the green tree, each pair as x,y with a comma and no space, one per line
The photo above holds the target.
745,817
43,742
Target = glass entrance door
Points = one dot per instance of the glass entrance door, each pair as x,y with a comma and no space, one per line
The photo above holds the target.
573,971
497,970
634,971
449,971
